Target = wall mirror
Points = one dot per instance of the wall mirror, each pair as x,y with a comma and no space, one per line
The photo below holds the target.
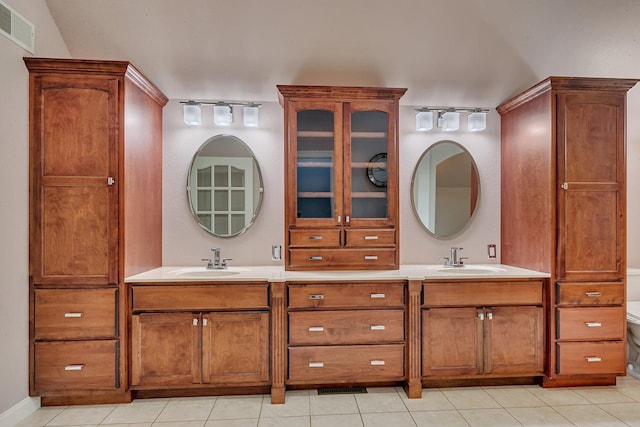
445,189
224,186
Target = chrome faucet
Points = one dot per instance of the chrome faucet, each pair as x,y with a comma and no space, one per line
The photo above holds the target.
216,263
455,260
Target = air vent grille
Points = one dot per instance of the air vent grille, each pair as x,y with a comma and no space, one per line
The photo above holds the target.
16,28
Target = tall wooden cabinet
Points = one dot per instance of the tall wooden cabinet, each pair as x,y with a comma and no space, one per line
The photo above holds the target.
341,177
95,217
563,212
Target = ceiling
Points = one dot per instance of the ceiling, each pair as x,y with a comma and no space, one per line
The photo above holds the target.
454,52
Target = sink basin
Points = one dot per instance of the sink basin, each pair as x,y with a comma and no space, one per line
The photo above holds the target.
473,270
201,272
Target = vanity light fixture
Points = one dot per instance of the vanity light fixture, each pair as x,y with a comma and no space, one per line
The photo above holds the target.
222,112
448,118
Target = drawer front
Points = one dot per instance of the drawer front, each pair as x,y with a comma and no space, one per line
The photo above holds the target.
346,327
482,293
376,258
343,295
346,364
596,293
591,358
370,237
76,365
196,298
318,237
590,323
75,313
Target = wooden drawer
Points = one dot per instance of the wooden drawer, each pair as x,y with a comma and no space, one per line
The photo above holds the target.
346,327
373,258
371,237
471,293
347,295
314,237
200,298
76,365
591,323
575,358
346,364
75,313
594,293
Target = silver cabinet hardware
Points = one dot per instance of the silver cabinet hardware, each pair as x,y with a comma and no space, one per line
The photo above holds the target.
378,296
316,296
370,237
315,258
593,294
593,359
481,316
110,181
315,237
73,315
346,219
378,327
316,329
371,257
377,363
593,324
204,322
73,367
490,316
339,219
565,186
316,364
195,322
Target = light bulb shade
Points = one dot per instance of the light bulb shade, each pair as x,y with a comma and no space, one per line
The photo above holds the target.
449,121
192,114
251,116
222,115
477,121
424,120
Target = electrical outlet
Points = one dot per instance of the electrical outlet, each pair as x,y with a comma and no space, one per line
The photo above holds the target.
276,253
491,250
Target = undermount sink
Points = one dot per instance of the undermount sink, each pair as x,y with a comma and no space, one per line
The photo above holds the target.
473,270
204,273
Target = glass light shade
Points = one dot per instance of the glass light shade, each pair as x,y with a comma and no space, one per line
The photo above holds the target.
477,121
449,121
251,116
192,114
222,115
424,120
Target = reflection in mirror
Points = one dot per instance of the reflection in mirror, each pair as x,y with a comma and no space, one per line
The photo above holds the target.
224,186
445,189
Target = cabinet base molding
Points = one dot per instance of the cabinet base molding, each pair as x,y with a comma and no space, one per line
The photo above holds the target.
195,392
86,398
576,381
476,382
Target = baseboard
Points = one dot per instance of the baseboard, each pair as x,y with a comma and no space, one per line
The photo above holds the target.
19,411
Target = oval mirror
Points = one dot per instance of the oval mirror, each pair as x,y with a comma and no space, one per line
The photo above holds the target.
445,189
224,186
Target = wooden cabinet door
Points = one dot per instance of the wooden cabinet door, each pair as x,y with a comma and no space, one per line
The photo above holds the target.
591,205
235,348
165,349
514,340
74,164
451,342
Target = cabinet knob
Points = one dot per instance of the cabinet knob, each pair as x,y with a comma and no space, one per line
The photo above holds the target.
204,322
316,329
110,181
490,316
593,324
73,367
316,364
481,316
378,327
593,359
72,315
377,363
195,322
378,296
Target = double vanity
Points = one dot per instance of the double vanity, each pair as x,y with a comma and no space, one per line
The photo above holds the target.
264,329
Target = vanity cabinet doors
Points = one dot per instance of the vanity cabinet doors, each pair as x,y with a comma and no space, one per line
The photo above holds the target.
341,152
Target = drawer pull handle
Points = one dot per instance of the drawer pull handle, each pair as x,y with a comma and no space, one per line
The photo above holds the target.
318,296
592,359
593,294
378,327
371,257
73,367
593,324
316,364
315,258
316,329
377,363
378,296
315,237
72,315
370,237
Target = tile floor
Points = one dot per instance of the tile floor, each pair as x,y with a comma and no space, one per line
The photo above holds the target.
385,407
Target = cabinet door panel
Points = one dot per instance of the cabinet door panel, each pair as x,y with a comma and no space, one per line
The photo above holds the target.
235,348
165,349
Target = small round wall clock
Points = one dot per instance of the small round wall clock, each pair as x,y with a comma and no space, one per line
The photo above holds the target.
377,174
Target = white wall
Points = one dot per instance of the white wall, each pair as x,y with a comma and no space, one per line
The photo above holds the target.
14,191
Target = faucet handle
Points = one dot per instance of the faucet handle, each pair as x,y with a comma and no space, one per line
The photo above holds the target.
224,262
209,263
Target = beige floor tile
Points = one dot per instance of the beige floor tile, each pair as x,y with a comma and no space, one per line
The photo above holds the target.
514,397
129,425
285,422
340,420
383,399
189,409
82,415
588,416
558,396
439,418
388,419
432,400
192,423
628,413
335,404
539,417
138,411
230,407
296,405
489,418
232,423
470,398
41,417
599,395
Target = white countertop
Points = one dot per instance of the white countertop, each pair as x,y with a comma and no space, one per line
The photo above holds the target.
278,274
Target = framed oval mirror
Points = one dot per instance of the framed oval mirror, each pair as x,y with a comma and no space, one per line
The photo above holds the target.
445,189
224,186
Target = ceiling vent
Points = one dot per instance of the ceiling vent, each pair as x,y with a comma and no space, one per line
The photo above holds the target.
16,28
